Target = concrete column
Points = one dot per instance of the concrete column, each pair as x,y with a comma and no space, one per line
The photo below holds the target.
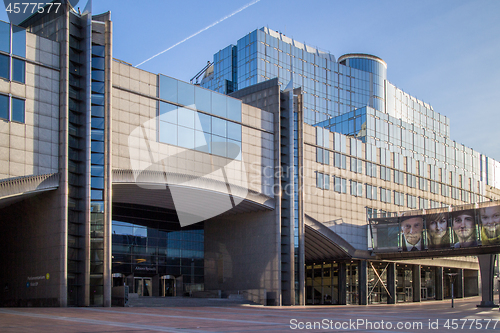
416,271
363,282
487,270
459,280
439,283
322,301
342,284
391,283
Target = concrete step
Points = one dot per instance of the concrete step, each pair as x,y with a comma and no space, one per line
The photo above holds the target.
186,301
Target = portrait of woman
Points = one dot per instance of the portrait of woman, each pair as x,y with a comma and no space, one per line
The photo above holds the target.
437,231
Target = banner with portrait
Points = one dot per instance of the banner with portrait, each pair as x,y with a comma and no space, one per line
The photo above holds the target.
438,229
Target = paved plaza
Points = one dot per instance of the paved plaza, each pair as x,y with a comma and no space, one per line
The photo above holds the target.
421,317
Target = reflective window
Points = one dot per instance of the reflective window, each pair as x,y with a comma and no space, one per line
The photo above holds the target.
98,63
168,133
168,112
185,93
97,123
5,37
186,117
98,50
4,66
98,75
18,110
97,87
185,137
97,99
203,99
219,105
219,127
18,41
234,109
4,107
168,88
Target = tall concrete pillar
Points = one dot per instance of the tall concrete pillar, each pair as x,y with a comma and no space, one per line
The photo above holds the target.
342,284
487,270
391,283
460,283
439,283
416,271
363,282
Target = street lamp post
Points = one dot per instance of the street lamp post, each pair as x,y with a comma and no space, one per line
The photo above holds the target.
452,276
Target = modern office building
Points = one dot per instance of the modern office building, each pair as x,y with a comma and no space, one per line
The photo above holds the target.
371,150
111,176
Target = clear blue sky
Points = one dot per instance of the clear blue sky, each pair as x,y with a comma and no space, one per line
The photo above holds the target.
444,52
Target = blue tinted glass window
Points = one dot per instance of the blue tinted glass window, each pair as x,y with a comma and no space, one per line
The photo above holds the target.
98,75
168,133
96,194
218,104
18,41
185,137
98,87
201,141
168,112
203,99
234,131
98,50
97,99
97,146
5,37
168,88
185,93
4,66
98,63
97,123
186,117
18,110
219,127
97,158
219,145
205,123
97,134
234,109
98,110
97,170
4,107
97,182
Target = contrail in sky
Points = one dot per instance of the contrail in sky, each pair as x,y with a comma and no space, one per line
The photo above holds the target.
199,32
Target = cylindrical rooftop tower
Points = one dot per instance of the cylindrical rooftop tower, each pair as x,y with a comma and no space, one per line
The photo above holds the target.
374,65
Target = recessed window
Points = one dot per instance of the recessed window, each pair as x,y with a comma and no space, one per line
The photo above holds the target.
4,107
4,66
18,110
18,70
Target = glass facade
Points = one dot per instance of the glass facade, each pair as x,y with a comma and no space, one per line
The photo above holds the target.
149,243
12,68
196,118
97,160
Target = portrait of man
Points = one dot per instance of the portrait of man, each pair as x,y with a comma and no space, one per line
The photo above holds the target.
464,227
411,229
490,225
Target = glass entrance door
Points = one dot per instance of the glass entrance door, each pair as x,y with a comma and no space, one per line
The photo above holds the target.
143,286
167,286
423,294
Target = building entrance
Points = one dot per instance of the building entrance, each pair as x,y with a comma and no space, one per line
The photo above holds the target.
143,286
167,285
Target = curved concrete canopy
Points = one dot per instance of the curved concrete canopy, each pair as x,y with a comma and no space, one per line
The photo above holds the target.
322,244
194,198
17,189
